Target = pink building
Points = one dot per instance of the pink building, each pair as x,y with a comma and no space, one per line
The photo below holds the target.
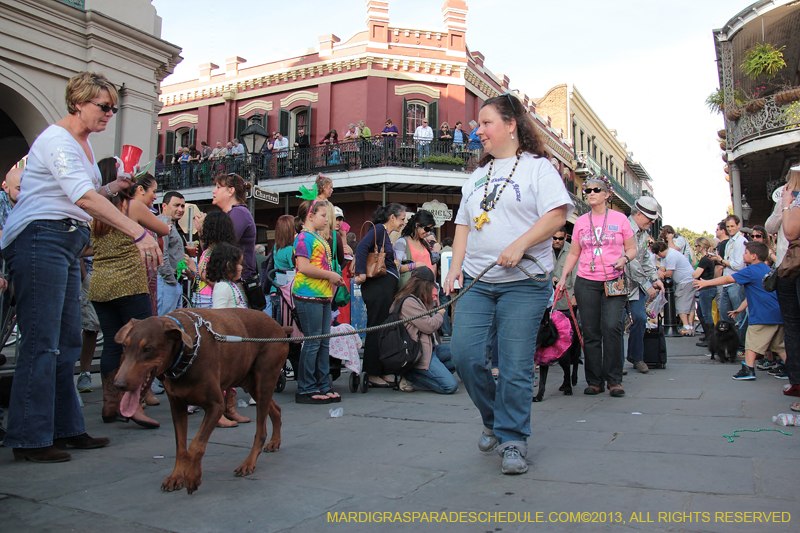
384,72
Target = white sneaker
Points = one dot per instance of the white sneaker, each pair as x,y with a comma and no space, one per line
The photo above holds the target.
513,462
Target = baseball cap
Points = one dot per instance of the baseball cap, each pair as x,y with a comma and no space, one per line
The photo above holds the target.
338,211
423,273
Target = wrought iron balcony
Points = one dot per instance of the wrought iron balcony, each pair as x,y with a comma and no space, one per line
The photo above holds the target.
771,119
589,167
307,161
581,207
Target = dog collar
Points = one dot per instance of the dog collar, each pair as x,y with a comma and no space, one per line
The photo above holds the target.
179,367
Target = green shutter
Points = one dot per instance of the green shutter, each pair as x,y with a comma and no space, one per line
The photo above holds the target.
308,124
283,122
403,119
169,147
241,125
433,115
193,136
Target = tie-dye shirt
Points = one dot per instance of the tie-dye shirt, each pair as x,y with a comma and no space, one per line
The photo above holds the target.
316,250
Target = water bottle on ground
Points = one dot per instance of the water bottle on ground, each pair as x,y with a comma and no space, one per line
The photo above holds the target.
786,419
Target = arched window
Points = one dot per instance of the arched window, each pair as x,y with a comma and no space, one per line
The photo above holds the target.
416,112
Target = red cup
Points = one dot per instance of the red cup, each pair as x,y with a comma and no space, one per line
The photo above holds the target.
130,157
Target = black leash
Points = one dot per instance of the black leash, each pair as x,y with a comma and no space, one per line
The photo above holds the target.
233,338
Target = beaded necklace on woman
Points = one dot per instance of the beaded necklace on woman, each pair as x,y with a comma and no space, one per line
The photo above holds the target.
328,253
598,239
485,206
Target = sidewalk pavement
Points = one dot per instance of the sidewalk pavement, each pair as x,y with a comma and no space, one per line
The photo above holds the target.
657,455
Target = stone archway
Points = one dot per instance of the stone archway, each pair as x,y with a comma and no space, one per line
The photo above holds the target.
24,113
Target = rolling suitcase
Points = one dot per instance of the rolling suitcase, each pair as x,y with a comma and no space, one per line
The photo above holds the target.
655,347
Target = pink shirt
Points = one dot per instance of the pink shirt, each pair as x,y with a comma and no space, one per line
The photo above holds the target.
612,246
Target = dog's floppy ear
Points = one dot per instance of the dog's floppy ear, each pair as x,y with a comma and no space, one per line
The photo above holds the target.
122,334
174,332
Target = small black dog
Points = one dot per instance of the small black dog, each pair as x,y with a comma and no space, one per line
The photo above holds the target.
572,357
724,341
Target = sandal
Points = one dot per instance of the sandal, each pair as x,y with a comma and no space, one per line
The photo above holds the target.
311,399
384,385
334,396
795,406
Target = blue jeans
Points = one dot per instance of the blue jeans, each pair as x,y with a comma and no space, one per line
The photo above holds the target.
112,316
315,365
516,309
706,305
43,261
169,296
439,376
636,336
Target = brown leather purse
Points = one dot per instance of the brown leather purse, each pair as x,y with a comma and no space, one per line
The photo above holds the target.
376,261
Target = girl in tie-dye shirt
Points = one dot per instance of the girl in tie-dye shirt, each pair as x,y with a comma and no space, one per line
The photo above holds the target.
313,289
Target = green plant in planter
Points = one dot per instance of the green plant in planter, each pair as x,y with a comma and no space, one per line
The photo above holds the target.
791,114
763,59
443,160
716,100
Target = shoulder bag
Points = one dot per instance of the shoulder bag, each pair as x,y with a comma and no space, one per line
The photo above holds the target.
376,261
790,266
620,286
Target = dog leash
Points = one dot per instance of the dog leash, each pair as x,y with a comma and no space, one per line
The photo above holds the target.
565,295
233,338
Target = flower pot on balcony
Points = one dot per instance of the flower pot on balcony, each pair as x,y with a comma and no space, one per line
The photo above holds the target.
754,106
723,145
786,97
733,114
725,157
722,134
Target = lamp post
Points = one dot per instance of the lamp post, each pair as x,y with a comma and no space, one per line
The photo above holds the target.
746,210
253,138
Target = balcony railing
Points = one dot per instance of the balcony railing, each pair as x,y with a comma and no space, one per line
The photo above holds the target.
308,161
593,168
772,118
581,207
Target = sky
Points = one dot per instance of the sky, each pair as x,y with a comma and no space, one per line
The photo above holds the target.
646,68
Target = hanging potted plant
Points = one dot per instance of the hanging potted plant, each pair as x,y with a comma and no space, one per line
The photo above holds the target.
733,114
722,134
788,96
754,106
763,59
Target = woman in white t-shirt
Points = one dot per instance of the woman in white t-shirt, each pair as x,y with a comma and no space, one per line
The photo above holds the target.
42,242
510,206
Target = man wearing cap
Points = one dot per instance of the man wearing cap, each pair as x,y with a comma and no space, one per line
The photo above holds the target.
643,276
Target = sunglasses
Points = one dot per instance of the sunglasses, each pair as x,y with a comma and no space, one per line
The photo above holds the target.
511,101
596,190
106,108
559,238
427,229
757,236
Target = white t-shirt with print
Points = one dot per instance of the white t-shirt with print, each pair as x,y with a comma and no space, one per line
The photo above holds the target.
57,175
681,266
534,189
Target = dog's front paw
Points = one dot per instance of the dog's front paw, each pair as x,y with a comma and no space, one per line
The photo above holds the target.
173,482
567,392
537,399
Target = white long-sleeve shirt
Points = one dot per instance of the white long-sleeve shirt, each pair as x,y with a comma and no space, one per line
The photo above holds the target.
423,134
734,255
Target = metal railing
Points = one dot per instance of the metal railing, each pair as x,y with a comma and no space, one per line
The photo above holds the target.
581,207
74,3
353,155
770,119
595,169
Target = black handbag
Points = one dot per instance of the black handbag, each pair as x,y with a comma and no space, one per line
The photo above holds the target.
255,293
770,280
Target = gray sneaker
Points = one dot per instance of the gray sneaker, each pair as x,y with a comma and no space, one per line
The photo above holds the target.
84,382
513,462
641,366
487,442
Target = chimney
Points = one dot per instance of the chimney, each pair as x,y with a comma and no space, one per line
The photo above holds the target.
205,71
232,65
326,43
378,22
454,13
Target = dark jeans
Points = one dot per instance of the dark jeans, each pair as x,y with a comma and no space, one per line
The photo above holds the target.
601,318
43,261
112,316
378,295
789,300
639,322
707,296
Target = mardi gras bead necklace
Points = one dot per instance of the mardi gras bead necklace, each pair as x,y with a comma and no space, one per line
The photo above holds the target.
483,217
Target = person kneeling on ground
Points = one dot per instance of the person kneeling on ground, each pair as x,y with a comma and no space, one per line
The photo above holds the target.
433,369
766,323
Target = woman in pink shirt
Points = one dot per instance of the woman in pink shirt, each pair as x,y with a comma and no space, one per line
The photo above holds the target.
602,244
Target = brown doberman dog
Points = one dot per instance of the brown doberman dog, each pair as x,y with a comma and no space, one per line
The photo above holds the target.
196,368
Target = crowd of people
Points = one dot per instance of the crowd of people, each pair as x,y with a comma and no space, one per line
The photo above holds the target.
98,227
